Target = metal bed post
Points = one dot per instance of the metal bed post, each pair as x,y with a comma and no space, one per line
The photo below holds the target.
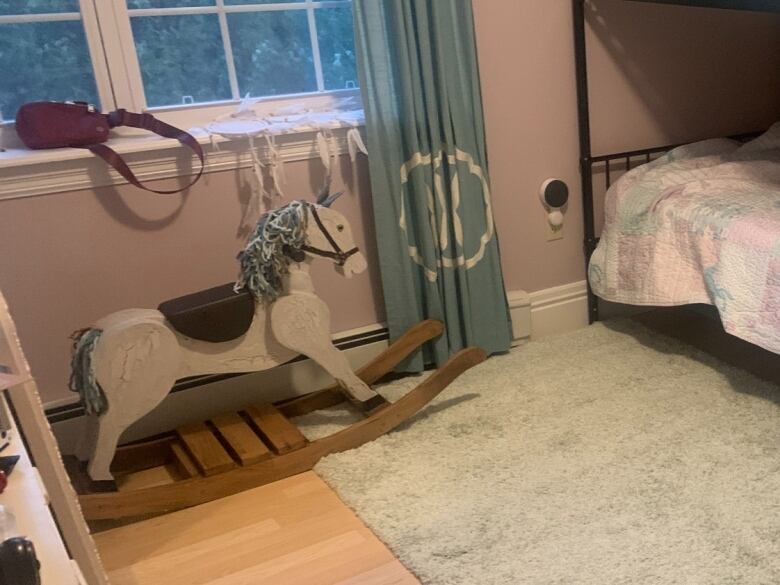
586,160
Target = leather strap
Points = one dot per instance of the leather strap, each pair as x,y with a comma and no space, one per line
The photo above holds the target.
337,254
147,122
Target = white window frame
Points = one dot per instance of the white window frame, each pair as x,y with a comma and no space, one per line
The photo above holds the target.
118,73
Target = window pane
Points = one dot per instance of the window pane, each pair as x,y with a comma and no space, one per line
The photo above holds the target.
182,59
131,4
337,47
44,61
272,51
37,6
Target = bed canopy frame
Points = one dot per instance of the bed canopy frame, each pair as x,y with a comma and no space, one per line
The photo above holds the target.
625,159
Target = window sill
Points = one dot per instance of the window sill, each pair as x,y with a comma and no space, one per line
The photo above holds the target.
32,173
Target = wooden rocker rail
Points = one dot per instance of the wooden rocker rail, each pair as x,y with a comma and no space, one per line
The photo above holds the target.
198,490
380,366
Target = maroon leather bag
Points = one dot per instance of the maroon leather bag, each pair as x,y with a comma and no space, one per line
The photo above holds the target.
79,124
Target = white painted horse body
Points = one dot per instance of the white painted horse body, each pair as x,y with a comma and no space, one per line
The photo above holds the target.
139,355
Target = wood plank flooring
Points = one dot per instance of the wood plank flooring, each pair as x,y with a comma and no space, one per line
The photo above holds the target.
291,532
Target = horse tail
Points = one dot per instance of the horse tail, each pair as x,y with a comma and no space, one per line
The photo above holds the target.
82,372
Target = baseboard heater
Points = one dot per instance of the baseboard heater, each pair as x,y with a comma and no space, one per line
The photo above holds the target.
69,411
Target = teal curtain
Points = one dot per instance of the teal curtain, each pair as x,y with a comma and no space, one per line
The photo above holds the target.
438,248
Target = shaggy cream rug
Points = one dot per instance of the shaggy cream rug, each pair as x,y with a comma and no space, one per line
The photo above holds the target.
610,455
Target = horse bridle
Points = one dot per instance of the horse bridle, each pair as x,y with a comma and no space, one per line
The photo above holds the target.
337,253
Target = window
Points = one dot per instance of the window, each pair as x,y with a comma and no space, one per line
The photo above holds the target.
184,57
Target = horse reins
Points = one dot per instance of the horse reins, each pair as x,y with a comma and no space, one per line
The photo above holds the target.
337,253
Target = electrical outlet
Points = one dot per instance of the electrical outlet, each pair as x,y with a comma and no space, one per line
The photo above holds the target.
553,232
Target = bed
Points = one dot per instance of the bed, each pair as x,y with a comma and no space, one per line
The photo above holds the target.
699,224
757,5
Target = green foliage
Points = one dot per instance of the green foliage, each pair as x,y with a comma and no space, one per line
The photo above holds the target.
337,47
37,6
273,52
132,4
181,56
44,61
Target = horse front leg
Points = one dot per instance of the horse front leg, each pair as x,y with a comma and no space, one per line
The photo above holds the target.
302,323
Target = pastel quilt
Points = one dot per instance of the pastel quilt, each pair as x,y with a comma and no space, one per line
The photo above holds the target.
700,224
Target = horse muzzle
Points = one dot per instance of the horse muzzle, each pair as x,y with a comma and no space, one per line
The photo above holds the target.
355,264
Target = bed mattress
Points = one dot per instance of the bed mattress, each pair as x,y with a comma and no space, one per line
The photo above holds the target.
700,224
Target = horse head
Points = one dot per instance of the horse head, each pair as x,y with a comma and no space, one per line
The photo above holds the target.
329,234
291,234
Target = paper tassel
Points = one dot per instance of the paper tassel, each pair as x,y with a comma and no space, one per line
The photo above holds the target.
355,144
276,164
244,108
213,141
323,148
254,207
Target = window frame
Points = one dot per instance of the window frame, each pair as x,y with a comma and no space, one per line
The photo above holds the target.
117,71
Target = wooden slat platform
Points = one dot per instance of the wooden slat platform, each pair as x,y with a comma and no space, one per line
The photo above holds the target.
239,438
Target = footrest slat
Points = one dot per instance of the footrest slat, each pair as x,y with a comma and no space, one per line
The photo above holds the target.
282,435
208,454
241,440
184,462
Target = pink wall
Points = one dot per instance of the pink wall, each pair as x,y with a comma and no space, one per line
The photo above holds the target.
69,258
659,74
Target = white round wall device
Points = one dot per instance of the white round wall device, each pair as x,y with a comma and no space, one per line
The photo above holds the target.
554,194
555,218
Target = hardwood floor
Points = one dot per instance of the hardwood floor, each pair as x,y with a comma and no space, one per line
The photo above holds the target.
292,532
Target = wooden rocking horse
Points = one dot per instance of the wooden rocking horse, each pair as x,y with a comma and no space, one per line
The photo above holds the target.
126,364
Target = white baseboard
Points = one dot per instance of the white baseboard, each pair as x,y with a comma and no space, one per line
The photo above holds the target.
520,313
548,312
228,395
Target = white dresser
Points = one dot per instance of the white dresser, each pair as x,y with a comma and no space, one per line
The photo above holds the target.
37,495
26,497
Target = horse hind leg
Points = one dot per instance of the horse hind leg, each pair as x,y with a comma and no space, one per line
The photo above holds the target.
106,439
136,366
88,439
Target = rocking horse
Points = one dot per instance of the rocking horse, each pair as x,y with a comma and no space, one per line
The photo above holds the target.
126,364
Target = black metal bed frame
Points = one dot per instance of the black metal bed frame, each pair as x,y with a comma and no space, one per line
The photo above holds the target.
587,160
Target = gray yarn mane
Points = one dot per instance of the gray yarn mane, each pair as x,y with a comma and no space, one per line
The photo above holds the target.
266,257
82,374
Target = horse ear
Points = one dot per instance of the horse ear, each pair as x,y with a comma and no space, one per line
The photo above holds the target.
331,198
324,193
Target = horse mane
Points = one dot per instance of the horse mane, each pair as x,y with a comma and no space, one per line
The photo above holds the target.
266,257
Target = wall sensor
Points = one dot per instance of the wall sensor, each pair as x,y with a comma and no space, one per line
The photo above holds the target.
554,194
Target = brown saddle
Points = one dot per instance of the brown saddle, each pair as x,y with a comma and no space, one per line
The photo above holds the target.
215,314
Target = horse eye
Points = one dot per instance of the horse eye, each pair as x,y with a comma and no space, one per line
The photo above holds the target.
340,227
